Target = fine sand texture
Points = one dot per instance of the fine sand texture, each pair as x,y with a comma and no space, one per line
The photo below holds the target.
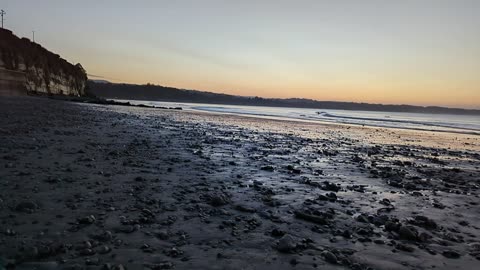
86,186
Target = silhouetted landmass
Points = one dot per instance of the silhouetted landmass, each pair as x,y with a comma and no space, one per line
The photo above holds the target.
100,81
163,93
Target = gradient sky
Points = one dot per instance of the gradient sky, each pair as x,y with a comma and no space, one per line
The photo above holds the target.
424,52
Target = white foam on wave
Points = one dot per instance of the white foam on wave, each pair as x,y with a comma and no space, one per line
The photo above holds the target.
431,122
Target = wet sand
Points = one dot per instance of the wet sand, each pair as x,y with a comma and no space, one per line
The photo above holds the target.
109,187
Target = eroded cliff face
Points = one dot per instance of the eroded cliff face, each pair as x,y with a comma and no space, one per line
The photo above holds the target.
45,72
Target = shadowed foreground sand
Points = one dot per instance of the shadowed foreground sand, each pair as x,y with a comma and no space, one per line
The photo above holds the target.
110,187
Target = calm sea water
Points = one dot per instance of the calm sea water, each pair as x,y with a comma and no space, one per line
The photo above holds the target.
433,122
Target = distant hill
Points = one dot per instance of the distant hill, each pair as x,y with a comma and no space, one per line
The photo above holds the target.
163,93
100,81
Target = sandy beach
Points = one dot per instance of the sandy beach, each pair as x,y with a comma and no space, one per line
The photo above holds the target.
87,186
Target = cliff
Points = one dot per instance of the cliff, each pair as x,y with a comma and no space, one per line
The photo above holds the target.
26,66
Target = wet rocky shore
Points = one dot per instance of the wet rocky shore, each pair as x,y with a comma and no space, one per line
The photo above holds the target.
85,186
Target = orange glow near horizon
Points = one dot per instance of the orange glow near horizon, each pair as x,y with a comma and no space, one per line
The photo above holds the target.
453,97
392,52
439,92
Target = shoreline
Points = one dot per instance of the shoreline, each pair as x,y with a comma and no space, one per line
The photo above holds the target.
445,129
324,122
88,186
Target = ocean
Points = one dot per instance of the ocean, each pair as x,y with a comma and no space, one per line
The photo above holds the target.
468,124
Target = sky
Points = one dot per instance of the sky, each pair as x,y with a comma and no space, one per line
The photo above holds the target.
420,52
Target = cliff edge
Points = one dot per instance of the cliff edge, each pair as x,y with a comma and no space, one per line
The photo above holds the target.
27,67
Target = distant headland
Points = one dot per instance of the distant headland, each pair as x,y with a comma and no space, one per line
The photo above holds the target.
105,89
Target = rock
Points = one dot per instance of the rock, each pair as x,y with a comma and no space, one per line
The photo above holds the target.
347,234
87,252
451,254
296,171
161,234
243,208
463,223
83,245
330,257
392,226
277,232
148,212
431,251
74,266
125,229
330,186
31,252
160,266
104,249
318,217
173,252
293,169
26,207
385,202
395,181
147,248
108,266
403,247
119,267
322,197
379,220
87,220
362,218
45,251
140,179
92,261
424,222
424,237
331,196
219,199
438,205
267,168
103,236
10,232
286,244
408,233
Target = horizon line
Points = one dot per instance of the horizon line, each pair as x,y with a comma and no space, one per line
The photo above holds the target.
287,98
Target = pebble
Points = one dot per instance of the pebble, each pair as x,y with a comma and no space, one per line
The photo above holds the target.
408,233
87,220
218,199
26,207
87,252
330,257
451,254
286,244
104,249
